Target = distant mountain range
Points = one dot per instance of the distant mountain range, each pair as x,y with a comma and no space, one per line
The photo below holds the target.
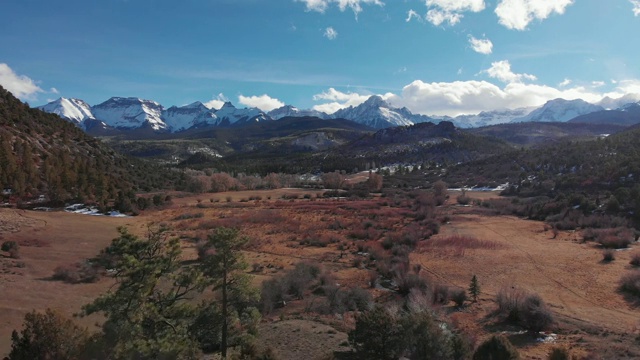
125,114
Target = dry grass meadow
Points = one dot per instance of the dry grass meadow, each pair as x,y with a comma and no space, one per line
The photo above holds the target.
288,226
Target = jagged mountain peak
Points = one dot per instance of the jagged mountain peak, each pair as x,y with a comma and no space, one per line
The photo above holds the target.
75,110
292,111
560,110
376,101
375,112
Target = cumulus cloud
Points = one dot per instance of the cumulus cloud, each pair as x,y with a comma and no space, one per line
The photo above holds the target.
517,14
597,84
355,5
472,97
501,70
451,11
216,102
437,17
636,7
20,86
330,33
262,102
338,100
482,46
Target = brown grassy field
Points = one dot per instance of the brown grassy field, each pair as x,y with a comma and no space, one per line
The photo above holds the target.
506,251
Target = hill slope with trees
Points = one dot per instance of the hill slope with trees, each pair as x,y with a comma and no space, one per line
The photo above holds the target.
42,154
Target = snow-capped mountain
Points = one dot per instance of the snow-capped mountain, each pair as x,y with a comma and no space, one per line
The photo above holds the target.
487,118
130,113
292,111
229,114
378,114
560,110
188,116
75,110
134,113
611,104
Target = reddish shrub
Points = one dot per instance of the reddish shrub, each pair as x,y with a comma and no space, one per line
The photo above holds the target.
80,272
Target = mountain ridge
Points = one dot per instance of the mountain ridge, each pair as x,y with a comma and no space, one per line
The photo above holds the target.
142,116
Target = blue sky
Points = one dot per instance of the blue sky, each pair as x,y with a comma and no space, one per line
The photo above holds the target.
433,56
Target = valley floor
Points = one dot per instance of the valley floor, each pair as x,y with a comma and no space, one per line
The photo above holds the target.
568,275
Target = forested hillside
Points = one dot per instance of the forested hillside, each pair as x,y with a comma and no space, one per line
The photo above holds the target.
41,154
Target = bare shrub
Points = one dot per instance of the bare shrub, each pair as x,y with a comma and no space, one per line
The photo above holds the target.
528,310
341,300
272,295
440,294
617,238
497,347
535,314
300,278
509,301
630,283
12,248
458,295
608,255
463,199
635,260
559,353
80,272
409,281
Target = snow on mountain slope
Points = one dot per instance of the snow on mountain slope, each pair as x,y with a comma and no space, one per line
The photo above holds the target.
611,104
291,111
74,110
560,110
229,114
487,118
378,114
188,116
130,113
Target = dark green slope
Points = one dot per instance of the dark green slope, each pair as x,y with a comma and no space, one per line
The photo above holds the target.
42,154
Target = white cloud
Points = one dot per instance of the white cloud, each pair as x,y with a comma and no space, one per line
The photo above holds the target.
330,33
517,14
437,17
482,46
625,87
217,102
501,70
338,100
262,102
20,86
413,14
472,97
355,5
450,11
597,84
54,91
636,7
565,82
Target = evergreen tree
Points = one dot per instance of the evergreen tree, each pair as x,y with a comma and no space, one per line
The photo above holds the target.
474,288
48,336
148,315
224,266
